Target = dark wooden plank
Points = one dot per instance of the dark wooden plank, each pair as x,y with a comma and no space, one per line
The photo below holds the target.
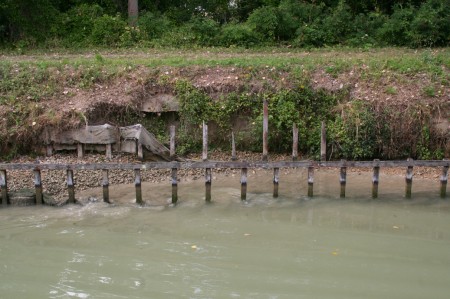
70,186
38,186
343,178
375,178
219,164
276,179
408,179
174,177
138,187
4,187
208,184
443,181
310,181
243,183
105,185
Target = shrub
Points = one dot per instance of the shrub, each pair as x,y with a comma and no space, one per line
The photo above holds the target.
264,21
431,25
153,25
204,29
78,23
395,30
236,34
107,31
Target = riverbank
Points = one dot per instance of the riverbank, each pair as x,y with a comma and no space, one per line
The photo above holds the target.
54,182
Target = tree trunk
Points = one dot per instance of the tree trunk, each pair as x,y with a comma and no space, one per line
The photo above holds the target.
132,12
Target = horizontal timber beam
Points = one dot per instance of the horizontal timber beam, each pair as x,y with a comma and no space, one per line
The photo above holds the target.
221,164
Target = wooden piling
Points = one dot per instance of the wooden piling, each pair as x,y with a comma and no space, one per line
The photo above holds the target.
80,151
409,178
105,185
276,179
49,150
243,183
4,187
310,181
38,186
70,186
172,143
233,148
174,186
138,187
294,142
375,178
205,142
108,152
140,150
265,130
443,180
208,184
343,178
323,143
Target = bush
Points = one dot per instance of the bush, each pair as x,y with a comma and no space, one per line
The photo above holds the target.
153,25
431,25
236,34
204,29
78,23
397,28
264,21
107,31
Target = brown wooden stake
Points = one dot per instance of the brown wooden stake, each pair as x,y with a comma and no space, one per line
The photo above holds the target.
375,178
108,151
140,150
323,143
4,187
205,142
70,186
172,143
343,178
409,178
443,180
276,179
243,183
265,130
294,142
208,184
38,186
49,150
174,186
138,187
233,148
105,185
80,151
310,181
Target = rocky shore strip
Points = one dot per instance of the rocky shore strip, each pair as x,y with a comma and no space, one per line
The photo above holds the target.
55,187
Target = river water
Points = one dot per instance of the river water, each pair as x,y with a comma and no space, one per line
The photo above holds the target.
289,247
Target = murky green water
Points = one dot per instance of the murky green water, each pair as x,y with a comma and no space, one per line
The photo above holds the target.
289,247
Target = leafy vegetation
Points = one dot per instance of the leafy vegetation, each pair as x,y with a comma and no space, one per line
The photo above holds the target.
26,24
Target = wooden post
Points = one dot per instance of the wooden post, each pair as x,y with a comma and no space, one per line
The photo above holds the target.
140,150
49,150
243,183
172,143
4,186
233,148
408,179
174,186
70,186
108,151
205,142
323,143
276,178
294,142
138,187
38,186
444,179
343,178
375,178
265,130
80,151
310,181
208,184
105,185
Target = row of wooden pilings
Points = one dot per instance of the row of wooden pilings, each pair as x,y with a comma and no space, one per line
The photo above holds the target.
209,165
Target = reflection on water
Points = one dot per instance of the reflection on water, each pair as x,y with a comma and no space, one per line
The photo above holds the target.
289,247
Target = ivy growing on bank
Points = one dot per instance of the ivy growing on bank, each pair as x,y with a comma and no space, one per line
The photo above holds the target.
355,129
